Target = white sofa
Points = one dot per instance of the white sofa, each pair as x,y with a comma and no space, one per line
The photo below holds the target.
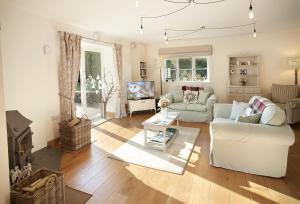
259,149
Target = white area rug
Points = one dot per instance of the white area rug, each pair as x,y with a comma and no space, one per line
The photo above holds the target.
174,159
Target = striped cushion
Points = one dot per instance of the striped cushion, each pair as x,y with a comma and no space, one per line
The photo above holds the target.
271,113
258,104
284,93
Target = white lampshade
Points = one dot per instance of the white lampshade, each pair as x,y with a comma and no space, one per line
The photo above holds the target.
294,62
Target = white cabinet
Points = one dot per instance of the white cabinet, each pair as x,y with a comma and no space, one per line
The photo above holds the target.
243,78
140,105
243,93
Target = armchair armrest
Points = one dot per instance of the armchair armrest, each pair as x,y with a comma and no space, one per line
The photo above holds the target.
293,103
222,110
210,106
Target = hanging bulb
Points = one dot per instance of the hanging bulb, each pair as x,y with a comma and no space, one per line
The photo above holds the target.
254,32
251,14
166,37
167,41
142,30
137,3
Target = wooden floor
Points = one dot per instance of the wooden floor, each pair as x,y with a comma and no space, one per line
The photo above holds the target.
112,181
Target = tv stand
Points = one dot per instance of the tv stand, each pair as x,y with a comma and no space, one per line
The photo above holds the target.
140,105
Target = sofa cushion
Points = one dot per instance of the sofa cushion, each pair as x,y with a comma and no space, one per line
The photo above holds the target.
190,97
250,118
271,113
178,106
238,108
203,96
177,95
196,107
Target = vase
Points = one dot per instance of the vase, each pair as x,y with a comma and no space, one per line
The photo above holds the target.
103,110
164,112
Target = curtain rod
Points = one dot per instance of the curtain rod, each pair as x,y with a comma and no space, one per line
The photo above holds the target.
87,38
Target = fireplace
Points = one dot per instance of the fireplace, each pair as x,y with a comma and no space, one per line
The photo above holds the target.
19,139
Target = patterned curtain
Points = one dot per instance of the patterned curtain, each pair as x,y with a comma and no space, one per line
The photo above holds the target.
120,102
70,53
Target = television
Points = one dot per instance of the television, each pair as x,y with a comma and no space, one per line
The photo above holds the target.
140,90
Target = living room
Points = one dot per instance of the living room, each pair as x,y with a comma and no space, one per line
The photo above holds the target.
155,59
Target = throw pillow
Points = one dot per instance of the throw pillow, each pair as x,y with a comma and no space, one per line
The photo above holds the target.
203,96
177,96
190,96
238,108
249,119
249,112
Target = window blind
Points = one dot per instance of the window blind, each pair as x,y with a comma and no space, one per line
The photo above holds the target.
199,50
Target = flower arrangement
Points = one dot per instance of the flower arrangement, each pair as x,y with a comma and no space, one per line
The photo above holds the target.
164,102
104,87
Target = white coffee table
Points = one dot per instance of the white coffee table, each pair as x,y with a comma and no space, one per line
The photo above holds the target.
158,128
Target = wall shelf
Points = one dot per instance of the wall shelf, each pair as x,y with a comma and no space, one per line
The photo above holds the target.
243,68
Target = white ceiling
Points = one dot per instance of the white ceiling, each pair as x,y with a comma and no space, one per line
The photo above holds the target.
120,18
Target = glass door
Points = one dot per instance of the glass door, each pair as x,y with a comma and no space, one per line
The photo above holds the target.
87,96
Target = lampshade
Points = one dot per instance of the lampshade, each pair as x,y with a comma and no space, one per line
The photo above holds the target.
294,62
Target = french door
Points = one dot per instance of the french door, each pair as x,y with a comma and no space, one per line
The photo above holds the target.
87,101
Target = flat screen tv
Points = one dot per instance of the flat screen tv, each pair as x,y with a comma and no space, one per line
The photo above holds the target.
140,90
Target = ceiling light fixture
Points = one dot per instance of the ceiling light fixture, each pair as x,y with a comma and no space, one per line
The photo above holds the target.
188,3
137,3
142,28
254,31
251,14
187,32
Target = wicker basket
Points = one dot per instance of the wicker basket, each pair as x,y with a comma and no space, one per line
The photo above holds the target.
75,137
53,193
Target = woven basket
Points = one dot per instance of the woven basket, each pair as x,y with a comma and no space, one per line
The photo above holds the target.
75,137
51,193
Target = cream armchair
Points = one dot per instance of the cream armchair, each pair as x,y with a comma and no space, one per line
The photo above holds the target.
287,97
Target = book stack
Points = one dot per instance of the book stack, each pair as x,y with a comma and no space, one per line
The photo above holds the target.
158,138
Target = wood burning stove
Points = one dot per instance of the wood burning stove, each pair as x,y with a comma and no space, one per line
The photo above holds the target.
19,139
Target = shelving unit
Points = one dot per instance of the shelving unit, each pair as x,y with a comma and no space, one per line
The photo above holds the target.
143,70
243,77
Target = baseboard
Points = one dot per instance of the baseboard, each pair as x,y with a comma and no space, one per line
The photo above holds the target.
53,143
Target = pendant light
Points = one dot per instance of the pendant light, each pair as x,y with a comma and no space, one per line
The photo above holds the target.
251,14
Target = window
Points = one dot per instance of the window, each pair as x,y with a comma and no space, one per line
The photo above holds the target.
187,68
200,69
171,69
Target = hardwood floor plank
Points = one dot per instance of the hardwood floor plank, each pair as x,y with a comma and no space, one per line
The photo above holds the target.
112,181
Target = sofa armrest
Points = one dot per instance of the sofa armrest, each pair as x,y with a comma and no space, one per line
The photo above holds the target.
169,97
210,106
293,103
249,132
222,110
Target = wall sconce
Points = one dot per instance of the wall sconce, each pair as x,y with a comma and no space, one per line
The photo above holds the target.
294,63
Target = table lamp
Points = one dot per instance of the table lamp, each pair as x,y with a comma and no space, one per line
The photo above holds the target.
294,63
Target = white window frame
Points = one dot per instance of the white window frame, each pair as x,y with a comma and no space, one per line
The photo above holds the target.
208,59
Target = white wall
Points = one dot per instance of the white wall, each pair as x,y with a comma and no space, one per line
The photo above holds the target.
4,175
138,54
273,49
30,76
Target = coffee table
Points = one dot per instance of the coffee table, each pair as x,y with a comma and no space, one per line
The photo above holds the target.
159,132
